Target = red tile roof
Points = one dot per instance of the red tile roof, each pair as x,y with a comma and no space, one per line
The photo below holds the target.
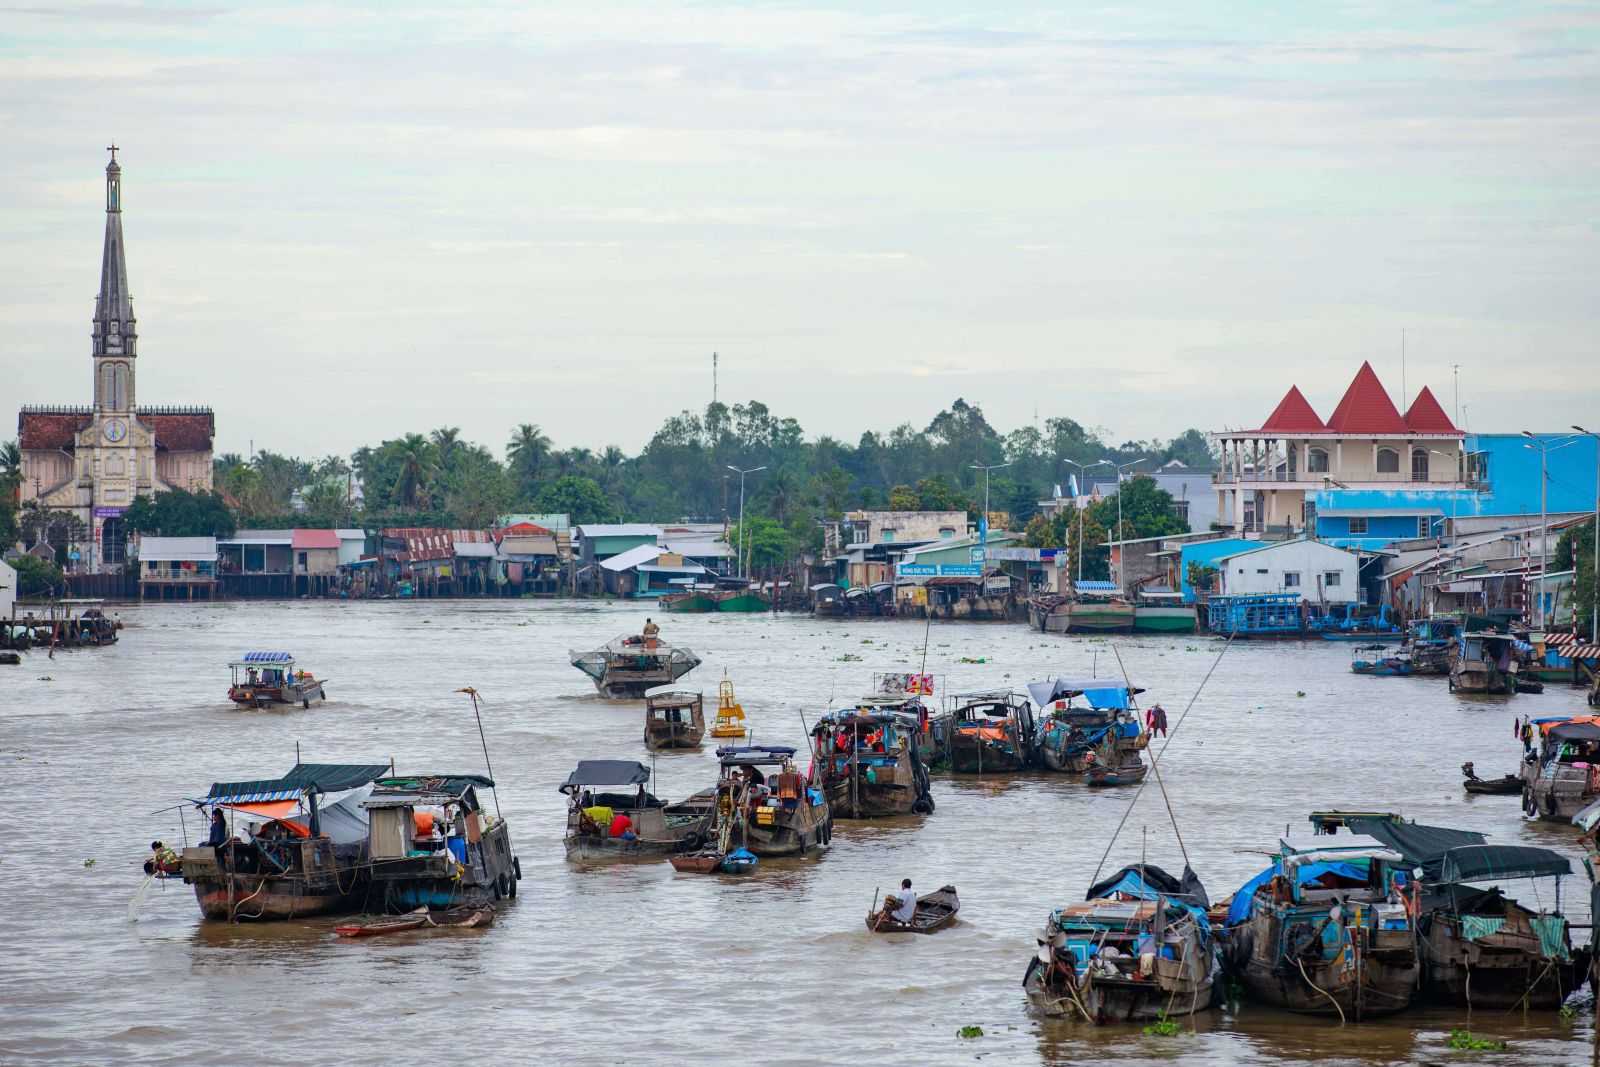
523,529
181,433
49,430
1294,415
1366,408
1426,416
314,539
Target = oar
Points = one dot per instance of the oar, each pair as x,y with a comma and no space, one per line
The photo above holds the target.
877,916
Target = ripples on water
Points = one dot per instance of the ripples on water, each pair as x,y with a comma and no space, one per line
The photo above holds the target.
632,963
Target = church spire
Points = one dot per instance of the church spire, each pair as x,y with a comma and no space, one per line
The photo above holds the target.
114,335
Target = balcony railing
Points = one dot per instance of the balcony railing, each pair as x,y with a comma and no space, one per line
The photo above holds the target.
1347,477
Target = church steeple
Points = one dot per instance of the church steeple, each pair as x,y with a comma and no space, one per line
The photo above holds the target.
114,335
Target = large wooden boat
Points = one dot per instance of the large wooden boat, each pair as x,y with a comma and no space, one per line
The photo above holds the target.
1325,931
269,679
1079,716
1048,614
628,666
993,733
1481,949
745,600
934,912
1482,662
308,855
1138,947
598,791
1098,608
910,697
869,766
433,844
1561,775
690,601
763,804
1164,617
673,718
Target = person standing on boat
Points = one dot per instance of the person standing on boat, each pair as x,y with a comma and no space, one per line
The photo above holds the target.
651,630
219,832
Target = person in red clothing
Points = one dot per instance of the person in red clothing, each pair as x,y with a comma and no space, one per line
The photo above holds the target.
621,826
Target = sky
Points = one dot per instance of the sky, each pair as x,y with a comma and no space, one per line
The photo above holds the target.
347,221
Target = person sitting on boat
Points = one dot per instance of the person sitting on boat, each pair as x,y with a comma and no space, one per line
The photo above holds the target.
163,860
901,907
621,827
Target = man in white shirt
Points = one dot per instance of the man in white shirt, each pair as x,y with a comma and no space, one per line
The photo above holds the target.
906,909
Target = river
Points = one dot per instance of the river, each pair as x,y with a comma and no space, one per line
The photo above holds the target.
633,963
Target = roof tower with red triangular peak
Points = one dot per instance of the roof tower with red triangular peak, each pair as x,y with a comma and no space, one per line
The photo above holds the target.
1366,408
1426,416
1294,414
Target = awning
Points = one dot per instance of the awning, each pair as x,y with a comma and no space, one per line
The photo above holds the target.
1573,731
1422,846
1101,692
327,777
1475,863
606,772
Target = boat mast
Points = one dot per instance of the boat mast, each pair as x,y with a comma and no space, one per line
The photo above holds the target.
484,741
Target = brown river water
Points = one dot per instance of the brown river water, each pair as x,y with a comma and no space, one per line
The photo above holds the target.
633,963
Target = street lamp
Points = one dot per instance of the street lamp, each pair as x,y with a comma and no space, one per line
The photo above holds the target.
1455,498
983,528
1082,468
1543,448
1594,535
1119,466
744,541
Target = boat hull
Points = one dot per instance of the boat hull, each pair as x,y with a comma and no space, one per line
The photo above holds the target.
688,603
1092,618
326,881
1050,618
1469,974
264,697
1165,620
986,757
1383,983
746,603
1109,1000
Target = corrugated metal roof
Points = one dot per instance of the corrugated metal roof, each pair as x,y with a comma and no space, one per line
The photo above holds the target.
304,539
474,549
631,558
618,529
177,549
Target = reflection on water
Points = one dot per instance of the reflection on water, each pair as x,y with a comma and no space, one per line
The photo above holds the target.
633,962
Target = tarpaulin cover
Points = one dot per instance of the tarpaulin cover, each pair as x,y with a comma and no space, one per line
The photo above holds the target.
1103,693
606,772
453,785
1156,881
1573,731
1422,846
1473,863
327,777
1244,901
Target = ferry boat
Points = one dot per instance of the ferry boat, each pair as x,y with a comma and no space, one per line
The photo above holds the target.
763,804
598,791
307,856
674,718
1138,947
433,844
269,679
1105,721
868,765
993,732
1325,930
628,666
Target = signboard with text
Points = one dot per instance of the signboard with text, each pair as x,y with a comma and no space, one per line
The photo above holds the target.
108,512
942,570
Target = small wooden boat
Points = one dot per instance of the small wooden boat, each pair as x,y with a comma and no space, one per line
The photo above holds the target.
1508,785
465,917
1528,685
702,862
384,924
269,679
1104,774
673,718
739,861
935,911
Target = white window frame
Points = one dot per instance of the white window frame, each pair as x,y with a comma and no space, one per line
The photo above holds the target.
1331,579
1291,579
1354,531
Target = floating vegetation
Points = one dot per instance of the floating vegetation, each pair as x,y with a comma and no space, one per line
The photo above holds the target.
1463,1039
969,659
970,1031
849,657
87,864
1164,1026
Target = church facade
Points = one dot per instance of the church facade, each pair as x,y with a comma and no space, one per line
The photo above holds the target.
95,460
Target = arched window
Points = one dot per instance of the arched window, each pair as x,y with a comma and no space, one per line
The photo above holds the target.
1317,461
1388,461
108,384
120,394
1294,459
1419,464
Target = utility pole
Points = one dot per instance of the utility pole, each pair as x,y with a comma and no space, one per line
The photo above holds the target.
983,528
1119,466
744,540
713,377
1544,450
1594,537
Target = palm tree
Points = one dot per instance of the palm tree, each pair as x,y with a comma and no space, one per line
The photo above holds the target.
10,466
416,470
526,453
780,494
612,461
446,441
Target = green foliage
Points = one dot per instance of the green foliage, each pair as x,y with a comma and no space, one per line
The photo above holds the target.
180,513
970,1031
10,482
1164,1026
1201,577
904,498
1575,550
581,498
35,576
1463,1039
1146,509
767,543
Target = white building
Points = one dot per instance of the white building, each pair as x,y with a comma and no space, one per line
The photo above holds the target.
1319,572
8,590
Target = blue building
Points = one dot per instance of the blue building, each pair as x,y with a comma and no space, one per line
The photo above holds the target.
1206,553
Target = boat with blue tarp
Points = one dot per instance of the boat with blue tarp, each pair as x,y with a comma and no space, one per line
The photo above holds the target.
1328,929
1376,661
1356,622
869,765
432,843
1138,947
286,847
1080,716
265,679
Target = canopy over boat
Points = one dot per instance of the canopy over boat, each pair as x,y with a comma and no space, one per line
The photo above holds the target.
1422,846
1102,693
742,755
672,695
591,772
264,659
1147,882
312,798
1576,728
1476,863
1586,819
426,789
1338,848
304,778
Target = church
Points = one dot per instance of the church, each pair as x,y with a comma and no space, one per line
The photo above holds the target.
95,460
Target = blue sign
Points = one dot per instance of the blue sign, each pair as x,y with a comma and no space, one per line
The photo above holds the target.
917,570
942,570
977,554
960,570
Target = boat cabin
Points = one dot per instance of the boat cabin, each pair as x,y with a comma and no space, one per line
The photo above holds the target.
431,842
674,718
262,679
610,814
992,731
1561,765
763,803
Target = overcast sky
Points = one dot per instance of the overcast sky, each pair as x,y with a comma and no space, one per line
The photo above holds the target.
348,220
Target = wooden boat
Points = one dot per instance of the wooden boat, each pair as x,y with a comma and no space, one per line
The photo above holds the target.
1127,772
763,804
993,733
690,601
1562,778
1481,662
744,600
868,765
1320,931
298,865
673,718
655,827
629,666
1506,785
935,911
1374,659
270,679
1164,618
704,861
1480,949
1085,714
1528,685
1048,614
1138,947
827,600
433,844
465,917
729,724
1100,613
932,728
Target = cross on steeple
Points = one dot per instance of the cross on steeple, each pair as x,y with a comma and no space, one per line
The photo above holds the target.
112,148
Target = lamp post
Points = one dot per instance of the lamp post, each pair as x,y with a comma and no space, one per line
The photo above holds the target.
1119,466
1594,537
1455,499
744,541
1542,446
1082,468
983,529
